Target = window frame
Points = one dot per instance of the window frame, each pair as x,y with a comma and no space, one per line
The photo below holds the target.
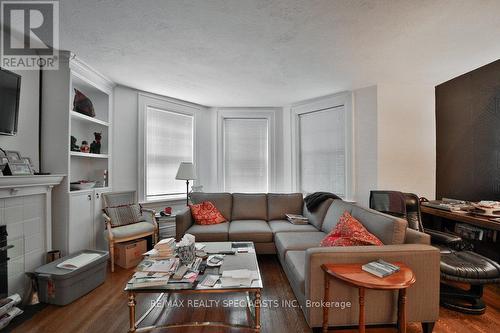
146,101
268,114
345,100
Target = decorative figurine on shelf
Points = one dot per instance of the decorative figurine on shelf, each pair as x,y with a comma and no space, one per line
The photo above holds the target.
82,104
95,147
84,148
74,146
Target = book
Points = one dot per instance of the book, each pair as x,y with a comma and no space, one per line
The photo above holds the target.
380,268
297,219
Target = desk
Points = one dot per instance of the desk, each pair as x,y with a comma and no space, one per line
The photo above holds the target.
443,220
461,217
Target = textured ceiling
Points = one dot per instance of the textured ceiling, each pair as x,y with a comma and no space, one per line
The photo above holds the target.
271,53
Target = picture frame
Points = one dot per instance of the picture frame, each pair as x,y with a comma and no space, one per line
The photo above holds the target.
13,155
29,162
3,162
18,169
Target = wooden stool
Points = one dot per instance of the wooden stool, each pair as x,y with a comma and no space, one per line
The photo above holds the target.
353,275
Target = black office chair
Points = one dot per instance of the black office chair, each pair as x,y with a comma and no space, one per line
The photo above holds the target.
457,264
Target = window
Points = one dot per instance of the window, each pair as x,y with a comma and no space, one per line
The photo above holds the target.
245,154
322,151
169,141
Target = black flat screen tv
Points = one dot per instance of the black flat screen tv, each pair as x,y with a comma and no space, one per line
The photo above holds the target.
10,88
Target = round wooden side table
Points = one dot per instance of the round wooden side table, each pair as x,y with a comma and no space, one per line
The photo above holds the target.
353,275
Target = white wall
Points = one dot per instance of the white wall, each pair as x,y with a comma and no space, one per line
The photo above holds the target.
125,136
406,138
26,140
365,143
394,141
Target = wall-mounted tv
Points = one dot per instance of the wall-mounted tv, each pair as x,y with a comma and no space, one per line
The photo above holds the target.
10,88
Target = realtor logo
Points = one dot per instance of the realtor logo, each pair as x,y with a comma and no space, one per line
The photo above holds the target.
30,35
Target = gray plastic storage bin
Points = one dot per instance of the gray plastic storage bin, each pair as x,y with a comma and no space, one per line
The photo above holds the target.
61,286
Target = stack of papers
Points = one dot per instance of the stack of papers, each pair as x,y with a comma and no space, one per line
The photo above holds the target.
164,249
238,278
158,266
297,219
144,279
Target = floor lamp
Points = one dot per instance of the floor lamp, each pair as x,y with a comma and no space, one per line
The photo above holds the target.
186,172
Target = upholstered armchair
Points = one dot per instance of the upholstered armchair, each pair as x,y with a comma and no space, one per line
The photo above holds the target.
146,226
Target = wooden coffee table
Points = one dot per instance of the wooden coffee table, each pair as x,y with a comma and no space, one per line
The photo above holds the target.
353,275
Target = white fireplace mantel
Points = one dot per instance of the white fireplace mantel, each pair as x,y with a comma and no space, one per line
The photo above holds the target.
19,186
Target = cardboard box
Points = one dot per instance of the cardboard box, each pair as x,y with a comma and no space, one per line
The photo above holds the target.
129,254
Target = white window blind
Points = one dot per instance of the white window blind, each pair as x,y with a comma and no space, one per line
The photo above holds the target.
246,157
170,139
322,151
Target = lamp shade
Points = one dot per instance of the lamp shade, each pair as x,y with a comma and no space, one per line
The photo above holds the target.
186,171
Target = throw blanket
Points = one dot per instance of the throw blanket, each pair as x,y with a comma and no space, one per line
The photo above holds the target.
315,199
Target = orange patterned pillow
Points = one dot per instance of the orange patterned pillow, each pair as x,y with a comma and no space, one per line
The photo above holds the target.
206,213
349,232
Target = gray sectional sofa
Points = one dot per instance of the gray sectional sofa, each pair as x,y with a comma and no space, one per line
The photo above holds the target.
260,218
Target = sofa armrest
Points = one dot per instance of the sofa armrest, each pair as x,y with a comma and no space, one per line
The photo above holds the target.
423,296
417,237
182,223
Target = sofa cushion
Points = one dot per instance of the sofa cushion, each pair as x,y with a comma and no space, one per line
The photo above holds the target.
249,207
206,213
210,233
250,230
296,241
296,264
389,229
318,215
335,211
285,226
350,232
223,201
129,230
279,204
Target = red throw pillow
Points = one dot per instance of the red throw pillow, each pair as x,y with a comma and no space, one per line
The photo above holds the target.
206,213
349,232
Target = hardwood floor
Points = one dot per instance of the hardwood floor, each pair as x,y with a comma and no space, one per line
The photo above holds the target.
105,310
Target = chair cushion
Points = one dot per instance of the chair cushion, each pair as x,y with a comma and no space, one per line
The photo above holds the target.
349,232
469,267
317,216
210,233
388,229
223,201
296,241
249,207
280,204
125,214
296,263
130,230
250,230
206,213
285,226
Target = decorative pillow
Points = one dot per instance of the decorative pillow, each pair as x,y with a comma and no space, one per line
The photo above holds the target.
206,213
349,232
123,215
83,104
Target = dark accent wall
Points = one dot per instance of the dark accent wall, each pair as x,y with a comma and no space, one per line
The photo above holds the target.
468,135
